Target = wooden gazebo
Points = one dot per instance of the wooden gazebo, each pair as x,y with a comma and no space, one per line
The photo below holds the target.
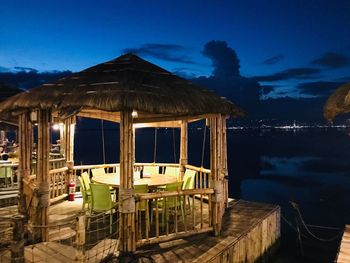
115,91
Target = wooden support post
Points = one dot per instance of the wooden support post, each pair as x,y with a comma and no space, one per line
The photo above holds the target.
43,179
127,228
216,167
224,160
17,247
25,129
67,143
80,239
2,135
183,148
67,147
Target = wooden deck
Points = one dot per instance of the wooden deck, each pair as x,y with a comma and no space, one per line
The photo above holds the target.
344,251
249,232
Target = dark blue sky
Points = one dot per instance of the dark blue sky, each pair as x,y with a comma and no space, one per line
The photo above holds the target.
283,42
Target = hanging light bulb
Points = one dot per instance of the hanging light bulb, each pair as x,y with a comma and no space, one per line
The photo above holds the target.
56,127
134,114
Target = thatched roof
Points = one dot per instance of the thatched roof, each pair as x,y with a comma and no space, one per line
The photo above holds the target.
125,83
10,122
7,91
338,102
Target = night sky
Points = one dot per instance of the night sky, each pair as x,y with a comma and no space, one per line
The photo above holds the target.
293,48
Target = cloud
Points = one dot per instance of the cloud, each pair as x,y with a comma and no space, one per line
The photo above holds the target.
266,89
168,52
273,60
224,59
323,165
332,60
344,79
293,73
184,72
318,88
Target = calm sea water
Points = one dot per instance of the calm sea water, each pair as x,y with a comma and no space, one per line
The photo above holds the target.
309,167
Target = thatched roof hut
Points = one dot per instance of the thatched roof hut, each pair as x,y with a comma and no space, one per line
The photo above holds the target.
125,83
338,102
131,91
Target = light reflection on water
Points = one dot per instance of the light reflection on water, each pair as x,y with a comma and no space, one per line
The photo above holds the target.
311,168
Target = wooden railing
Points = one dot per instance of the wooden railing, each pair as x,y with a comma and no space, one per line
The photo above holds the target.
109,168
58,182
194,219
202,178
53,164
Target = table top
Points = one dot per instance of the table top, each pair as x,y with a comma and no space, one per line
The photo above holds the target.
154,180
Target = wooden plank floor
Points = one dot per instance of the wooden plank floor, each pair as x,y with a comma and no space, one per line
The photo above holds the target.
53,252
344,251
249,230
240,221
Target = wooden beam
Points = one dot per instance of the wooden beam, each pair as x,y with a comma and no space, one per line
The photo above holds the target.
189,118
163,124
100,114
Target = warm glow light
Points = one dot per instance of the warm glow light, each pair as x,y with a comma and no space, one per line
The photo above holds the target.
56,127
134,114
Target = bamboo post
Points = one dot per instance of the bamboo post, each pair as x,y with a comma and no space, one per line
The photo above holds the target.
183,147
25,129
67,147
216,166
67,143
17,247
126,192
80,239
2,135
43,180
224,159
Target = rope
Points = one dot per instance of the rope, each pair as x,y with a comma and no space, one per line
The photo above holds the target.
203,145
44,194
174,145
295,206
155,145
103,143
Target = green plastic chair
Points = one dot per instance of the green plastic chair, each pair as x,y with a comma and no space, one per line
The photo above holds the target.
152,169
98,171
86,194
141,189
188,183
168,203
172,171
86,180
142,206
6,173
101,201
188,179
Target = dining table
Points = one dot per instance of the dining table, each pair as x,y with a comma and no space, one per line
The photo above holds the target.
152,180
